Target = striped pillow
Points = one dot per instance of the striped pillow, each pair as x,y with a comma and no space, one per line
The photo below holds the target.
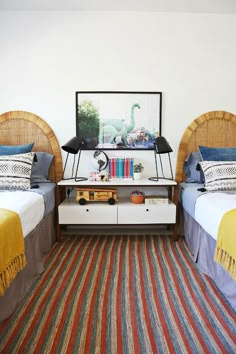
219,175
15,171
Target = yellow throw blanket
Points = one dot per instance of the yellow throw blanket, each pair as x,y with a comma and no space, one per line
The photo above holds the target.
225,253
12,257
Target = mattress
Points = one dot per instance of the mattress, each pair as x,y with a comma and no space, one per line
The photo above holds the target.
189,192
47,190
207,208
30,205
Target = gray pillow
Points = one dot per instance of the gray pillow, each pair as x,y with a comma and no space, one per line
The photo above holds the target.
192,171
40,168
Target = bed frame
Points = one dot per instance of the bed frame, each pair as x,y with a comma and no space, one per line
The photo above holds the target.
19,127
16,128
213,129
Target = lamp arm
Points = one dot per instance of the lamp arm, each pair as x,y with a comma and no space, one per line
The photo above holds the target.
78,161
162,171
73,166
155,178
79,179
65,166
155,155
170,166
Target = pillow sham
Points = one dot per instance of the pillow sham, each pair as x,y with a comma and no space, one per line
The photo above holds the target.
217,154
193,173
219,175
15,149
40,168
15,171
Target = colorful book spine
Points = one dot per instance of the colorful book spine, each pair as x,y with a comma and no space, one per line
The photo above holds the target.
121,167
112,167
128,167
132,168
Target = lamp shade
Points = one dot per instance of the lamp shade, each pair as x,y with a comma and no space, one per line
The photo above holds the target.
162,146
74,145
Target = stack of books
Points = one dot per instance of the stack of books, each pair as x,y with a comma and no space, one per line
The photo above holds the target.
121,167
157,199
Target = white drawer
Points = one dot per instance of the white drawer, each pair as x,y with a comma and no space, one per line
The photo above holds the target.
147,214
71,212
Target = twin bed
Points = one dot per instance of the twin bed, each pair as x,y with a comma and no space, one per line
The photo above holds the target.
36,208
213,129
206,205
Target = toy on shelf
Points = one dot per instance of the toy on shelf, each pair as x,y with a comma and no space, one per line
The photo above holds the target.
84,195
97,176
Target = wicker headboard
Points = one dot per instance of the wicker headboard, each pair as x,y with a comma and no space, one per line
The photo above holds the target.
19,127
213,129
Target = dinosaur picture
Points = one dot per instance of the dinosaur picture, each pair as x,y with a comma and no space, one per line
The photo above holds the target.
118,119
118,128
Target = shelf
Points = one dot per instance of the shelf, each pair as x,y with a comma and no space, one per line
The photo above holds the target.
123,212
145,182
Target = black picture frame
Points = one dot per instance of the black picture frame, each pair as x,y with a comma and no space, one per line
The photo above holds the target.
118,120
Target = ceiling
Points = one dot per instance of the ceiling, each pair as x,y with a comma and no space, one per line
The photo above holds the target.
197,6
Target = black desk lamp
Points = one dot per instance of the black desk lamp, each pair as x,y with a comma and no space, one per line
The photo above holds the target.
74,146
161,146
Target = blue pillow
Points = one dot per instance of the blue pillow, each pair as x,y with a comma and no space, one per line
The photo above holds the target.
40,168
217,154
15,149
191,168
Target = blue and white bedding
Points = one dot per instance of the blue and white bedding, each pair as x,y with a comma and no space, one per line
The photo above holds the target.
201,228
210,209
47,190
31,205
207,208
188,195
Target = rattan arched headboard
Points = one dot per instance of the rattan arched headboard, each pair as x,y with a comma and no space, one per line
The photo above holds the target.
20,127
213,129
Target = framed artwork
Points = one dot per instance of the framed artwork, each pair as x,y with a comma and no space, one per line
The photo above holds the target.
118,119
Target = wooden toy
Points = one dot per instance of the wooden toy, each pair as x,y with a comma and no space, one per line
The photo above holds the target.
84,195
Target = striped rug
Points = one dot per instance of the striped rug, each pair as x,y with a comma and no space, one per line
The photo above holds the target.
121,294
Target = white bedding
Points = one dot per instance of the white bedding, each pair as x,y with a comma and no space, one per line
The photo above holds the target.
28,205
210,208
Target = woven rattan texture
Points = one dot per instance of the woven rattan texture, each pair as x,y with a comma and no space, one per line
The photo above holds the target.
20,127
213,129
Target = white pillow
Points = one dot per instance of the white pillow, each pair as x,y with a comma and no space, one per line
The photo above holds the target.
15,171
219,175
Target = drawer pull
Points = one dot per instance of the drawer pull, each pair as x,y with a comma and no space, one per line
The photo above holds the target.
147,209
87,209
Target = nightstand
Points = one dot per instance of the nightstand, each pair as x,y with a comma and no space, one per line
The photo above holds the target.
123,212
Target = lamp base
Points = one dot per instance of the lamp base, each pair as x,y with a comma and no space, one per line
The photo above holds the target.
67,179
155,179
80,179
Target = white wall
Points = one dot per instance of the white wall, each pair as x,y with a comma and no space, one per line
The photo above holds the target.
47,56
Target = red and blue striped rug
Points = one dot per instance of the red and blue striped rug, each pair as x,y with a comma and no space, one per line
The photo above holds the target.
121,294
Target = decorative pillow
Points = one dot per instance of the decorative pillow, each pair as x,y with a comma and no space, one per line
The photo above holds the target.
219,175
15,149
217,154
15,171
192,171
41,165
